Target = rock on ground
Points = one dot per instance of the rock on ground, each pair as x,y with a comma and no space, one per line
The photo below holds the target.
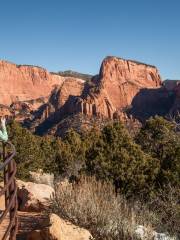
145,233
33,197
42,178
60,229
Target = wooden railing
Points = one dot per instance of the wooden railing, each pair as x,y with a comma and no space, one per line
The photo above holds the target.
9,190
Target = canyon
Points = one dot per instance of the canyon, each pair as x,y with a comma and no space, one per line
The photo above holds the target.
123,89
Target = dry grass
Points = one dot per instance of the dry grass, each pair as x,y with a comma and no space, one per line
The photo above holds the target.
165,210
92,204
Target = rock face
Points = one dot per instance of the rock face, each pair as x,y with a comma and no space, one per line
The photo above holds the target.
20,83
71,87
108,93
175,110
116,85
122,89
59,104
60,229
170,85
33,197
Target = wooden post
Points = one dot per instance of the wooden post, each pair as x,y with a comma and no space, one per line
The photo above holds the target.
5,176
10,193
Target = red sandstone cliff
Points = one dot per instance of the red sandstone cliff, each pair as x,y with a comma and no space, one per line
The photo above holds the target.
106,96
21,83
45,99
116,85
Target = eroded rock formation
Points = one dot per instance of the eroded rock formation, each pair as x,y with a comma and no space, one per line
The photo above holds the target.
116,85
123,89
21,83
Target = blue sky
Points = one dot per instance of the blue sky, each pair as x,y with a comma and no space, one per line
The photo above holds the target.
78,34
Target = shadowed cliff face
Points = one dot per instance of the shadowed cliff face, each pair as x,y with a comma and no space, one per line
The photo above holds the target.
151,102
175,110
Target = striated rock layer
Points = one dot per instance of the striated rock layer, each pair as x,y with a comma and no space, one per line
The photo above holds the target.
22,82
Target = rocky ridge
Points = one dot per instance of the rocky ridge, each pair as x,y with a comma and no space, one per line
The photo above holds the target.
23,82
123,89
116,85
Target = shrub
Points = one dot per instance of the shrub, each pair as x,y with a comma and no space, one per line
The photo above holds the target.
166,207
28,152
48,153
92,204
114,156
111,154
159,139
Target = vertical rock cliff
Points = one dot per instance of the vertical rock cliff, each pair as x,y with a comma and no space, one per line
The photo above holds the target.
21,83
122,89
116,85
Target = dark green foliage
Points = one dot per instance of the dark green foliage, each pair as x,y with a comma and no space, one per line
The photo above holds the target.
47,153
138,167
159,139
69,73
29,154
114,155
145,168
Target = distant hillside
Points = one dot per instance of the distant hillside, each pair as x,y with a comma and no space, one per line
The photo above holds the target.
170,84
175,81
70,73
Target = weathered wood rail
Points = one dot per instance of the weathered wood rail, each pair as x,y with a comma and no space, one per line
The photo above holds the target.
9,190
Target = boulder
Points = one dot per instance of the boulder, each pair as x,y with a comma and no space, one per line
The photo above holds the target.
145,233
33,197
42,178
60,229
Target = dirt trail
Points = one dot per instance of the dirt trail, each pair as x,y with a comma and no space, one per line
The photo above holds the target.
28,221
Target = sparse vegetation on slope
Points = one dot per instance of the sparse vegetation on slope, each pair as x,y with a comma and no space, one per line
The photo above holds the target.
70,73
109,154
139,169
